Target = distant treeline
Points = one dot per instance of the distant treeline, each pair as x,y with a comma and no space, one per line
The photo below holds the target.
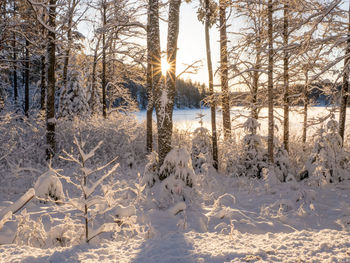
188,94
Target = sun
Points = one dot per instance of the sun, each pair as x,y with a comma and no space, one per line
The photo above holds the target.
165,66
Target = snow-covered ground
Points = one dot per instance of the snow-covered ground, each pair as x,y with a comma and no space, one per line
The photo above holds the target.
227,219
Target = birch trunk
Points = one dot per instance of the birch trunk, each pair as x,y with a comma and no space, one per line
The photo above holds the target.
285,79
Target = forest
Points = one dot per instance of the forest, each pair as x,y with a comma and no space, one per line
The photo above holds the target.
96,164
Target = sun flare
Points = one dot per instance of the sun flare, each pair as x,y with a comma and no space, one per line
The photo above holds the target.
165,66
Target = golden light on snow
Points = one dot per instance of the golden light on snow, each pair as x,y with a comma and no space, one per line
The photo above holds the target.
165,66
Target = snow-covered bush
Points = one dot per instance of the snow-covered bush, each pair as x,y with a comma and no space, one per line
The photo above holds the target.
281,159
328,161
201,148
253,158
150,176
177,178
73,98
49,186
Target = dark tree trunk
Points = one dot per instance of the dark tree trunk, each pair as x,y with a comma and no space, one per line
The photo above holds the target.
224,72
270,137
15,84
254,112
285,79
306,104
104,102
42,84
149,132
26,89
211,89
51,82
345,86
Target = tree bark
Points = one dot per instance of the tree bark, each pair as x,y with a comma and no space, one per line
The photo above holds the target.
69,44
166,97
42,84
345,86
306,104
104,102
270,85
26,82
211,89
224,72
15,84
51,82
254,112
285,78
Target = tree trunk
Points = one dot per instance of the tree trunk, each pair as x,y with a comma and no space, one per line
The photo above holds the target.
104,103
69,44
254,112
270,85
15,84
149,132
306,104
42,84
26,82
51,82
345,86
211,89
285,79
224,72
165,102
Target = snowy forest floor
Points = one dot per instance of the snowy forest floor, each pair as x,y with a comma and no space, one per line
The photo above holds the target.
229,219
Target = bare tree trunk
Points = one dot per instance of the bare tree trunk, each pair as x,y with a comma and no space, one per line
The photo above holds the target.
345,86
306,104
211,89
270,85
104,103
167,96
15,84
254,112
71,7
51,82
26,82
42,84
224,72
285,78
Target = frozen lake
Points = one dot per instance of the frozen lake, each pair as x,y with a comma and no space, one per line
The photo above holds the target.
187,119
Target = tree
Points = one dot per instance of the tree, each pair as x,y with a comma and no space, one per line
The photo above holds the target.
165,94
224,71
345,86
51,81
270,84
207,14
285,76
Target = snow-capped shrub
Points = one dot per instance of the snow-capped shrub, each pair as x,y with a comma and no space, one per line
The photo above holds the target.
49,186
281,159
73,98
328,161
150,174
253,158
201,148
30,232
178,177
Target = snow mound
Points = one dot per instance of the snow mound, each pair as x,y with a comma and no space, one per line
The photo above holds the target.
49,186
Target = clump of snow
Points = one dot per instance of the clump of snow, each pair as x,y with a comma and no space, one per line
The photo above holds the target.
49,186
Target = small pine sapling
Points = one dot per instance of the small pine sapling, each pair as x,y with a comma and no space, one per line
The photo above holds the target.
201,149
328,161
177,177
87,200
253,158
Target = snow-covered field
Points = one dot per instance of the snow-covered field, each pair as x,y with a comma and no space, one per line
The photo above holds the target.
227,219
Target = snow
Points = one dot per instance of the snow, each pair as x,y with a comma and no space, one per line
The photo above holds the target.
49,186
226,218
